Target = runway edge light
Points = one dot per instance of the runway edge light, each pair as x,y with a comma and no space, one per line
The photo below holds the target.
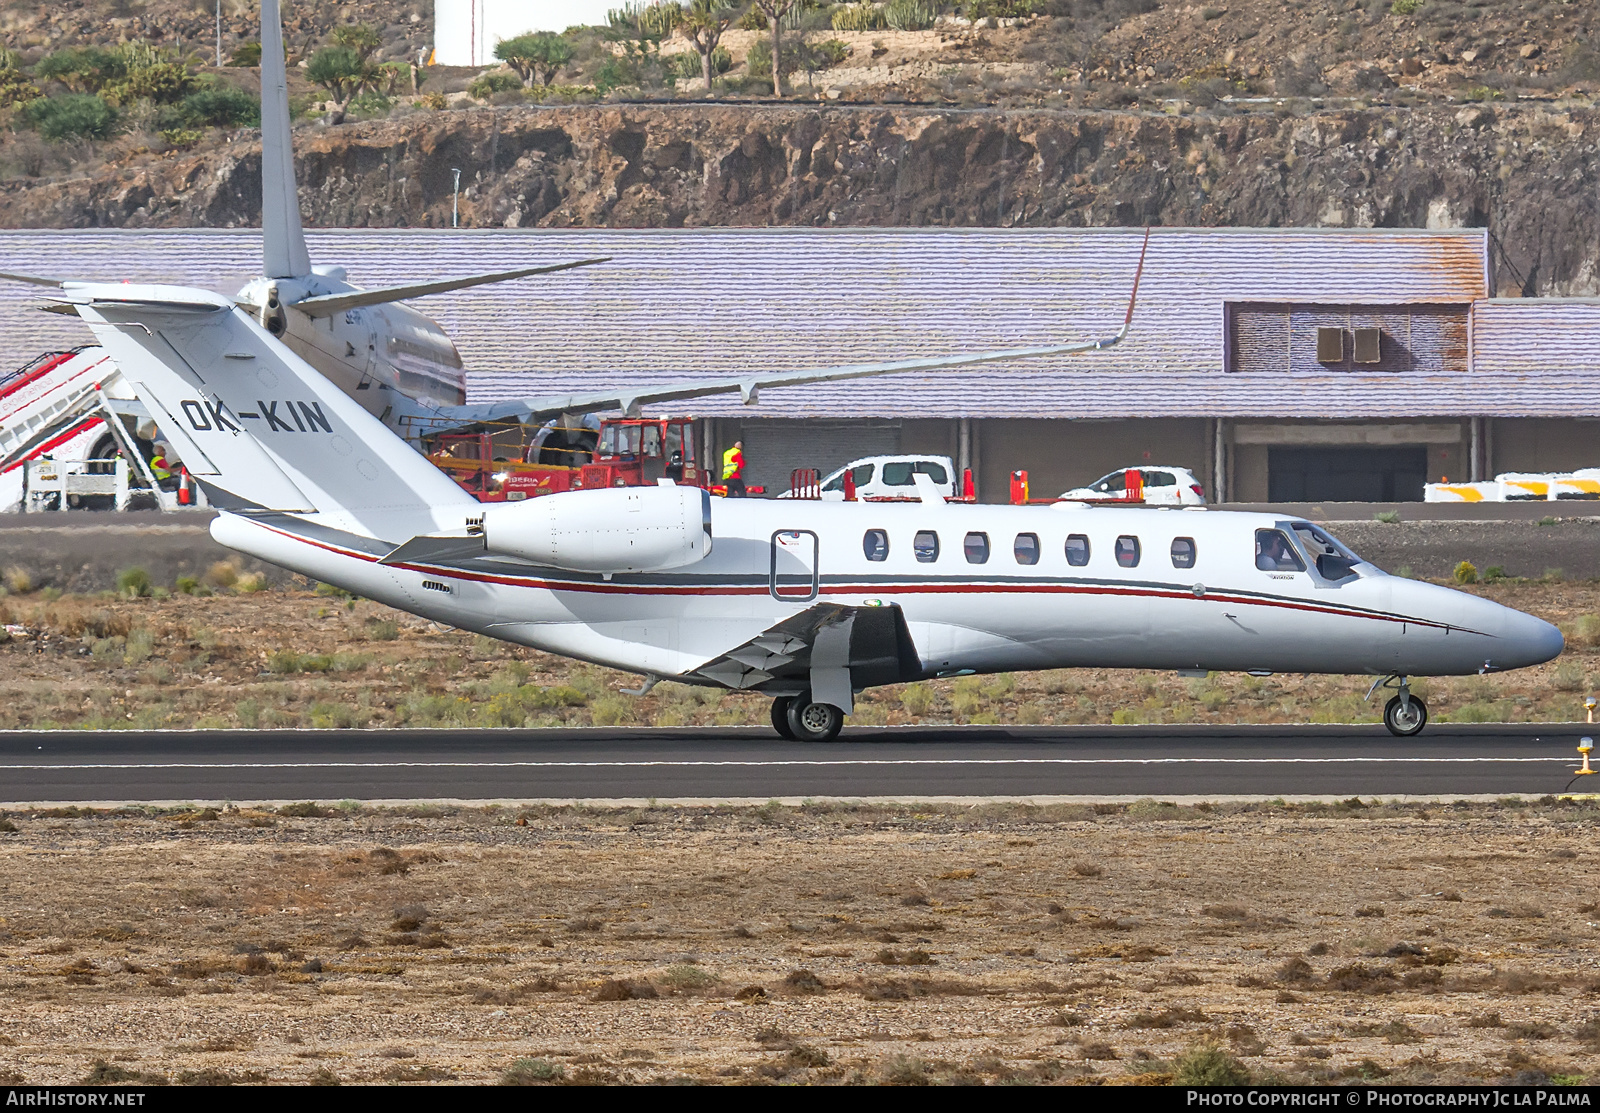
1585,744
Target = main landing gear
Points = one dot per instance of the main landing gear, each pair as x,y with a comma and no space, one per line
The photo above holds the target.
799,720
1404,714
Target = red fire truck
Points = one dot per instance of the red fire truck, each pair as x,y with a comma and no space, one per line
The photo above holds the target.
630,452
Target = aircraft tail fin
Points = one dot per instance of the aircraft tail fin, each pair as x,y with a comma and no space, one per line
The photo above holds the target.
283,240
249,418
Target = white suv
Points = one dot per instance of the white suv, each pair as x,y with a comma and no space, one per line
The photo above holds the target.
879,477
1163,486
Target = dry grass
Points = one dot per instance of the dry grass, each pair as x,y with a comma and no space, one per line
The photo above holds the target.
725,945
263,658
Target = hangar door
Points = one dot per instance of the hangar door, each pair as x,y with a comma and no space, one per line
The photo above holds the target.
773,449
1347,474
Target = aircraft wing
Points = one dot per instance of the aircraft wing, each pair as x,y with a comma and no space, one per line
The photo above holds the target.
828,649
749,387
537,410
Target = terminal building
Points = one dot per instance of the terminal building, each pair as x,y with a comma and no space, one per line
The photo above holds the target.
1276,364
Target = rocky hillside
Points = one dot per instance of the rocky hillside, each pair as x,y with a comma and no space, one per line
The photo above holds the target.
1529,172
1250,112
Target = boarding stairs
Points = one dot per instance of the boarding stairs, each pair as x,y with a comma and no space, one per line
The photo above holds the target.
54,398
58,397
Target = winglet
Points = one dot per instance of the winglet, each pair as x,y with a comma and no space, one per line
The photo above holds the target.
283,241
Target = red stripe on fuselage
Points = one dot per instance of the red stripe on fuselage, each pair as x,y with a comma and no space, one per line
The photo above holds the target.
975,588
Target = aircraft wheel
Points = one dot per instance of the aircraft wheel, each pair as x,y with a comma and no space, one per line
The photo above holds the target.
1401,722
780,717
813,722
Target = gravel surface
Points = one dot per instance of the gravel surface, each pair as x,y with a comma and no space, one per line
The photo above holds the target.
831,943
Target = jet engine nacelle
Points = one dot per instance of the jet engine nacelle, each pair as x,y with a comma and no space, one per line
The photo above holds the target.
618,529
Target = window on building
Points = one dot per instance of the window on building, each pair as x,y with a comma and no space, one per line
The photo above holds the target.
1127,550
1274,553
976,546
1330,345
875,543
925,545
1183,552
1026,548
1077,550
1281,336
1369,345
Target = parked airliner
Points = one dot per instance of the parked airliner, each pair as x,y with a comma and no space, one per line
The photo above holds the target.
402,366
808,602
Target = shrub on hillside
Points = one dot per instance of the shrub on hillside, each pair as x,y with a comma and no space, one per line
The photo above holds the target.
71,116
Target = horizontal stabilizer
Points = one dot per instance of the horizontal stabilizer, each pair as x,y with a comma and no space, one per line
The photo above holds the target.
33,279
433,547
330,304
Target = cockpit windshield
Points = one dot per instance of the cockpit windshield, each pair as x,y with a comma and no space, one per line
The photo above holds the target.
1334,561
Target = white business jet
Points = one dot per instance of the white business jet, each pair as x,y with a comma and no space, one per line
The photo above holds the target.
808,602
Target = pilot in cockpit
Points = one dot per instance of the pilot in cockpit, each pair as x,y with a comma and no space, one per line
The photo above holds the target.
1274,554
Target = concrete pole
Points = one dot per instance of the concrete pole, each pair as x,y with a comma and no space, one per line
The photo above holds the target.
1475,450
1219,461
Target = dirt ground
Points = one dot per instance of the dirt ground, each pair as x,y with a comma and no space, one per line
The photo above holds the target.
240,653
1139,943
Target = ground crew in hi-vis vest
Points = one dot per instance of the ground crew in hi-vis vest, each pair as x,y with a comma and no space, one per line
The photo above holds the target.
733,470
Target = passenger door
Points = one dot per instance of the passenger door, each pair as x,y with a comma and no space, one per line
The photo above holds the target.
793,572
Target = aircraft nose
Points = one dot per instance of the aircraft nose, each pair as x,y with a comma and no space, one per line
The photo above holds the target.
1528,641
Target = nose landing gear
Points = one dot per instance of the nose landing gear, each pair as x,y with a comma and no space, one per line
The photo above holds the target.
1404,714
800,720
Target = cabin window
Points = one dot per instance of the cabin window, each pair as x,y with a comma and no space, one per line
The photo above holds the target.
1127,550
875,543
1183,552
1077,550
1026,548
1274,553
976,546
926,546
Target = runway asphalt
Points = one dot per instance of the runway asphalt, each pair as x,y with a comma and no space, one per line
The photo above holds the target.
746,763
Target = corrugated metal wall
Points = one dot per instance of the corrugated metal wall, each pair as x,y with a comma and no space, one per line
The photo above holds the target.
681,303
1554,339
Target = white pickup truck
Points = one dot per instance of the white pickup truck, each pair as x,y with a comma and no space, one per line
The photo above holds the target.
887,477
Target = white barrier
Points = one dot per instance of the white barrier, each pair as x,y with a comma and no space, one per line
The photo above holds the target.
1520,486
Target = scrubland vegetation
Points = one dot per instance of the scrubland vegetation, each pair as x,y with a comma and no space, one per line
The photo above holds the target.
831,943
225,650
